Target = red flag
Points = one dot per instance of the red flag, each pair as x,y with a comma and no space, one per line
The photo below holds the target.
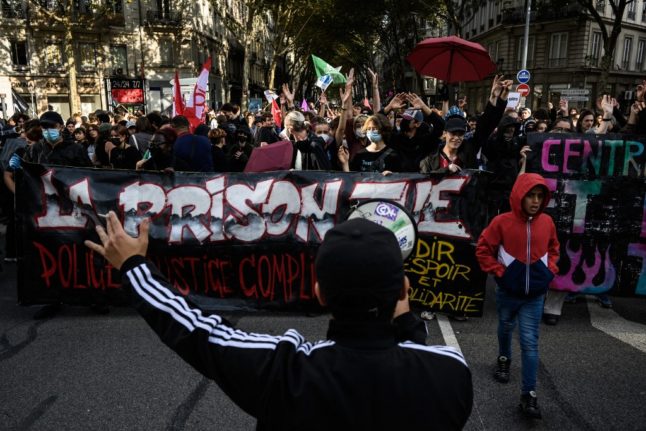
275,111
178,101
198,98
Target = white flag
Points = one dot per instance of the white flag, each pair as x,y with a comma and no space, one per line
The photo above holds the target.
270,96
324,82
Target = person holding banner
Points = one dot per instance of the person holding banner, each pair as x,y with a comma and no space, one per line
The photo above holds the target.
374,371
521,250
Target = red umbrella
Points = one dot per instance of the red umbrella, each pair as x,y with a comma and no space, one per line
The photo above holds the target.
451,59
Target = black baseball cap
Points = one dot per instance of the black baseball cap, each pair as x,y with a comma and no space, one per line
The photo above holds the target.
359,266
51,119
456,124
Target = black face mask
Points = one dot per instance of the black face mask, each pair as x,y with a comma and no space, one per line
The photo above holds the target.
115,141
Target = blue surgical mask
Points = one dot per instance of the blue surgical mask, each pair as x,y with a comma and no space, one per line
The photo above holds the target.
373,136
51,135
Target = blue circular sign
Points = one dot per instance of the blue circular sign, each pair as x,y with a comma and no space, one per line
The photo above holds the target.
523,76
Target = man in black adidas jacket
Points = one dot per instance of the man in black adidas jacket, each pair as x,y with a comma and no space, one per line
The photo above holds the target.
372,373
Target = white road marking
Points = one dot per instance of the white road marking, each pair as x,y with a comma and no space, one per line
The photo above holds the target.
447,332
608,321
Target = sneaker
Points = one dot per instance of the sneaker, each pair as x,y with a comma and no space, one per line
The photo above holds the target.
502,369
427,315
550,319
11,259
529,405
604,301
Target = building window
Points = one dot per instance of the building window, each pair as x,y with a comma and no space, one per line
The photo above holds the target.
530,51
639,61
166,56
630,14
19,53
87,57
114,6
601,6
625,58
595,48
54,55
558,50
119,59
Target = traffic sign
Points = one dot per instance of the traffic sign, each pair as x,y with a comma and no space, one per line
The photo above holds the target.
523,89
523,76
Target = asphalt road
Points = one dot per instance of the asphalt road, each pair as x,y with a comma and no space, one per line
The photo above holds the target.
81,371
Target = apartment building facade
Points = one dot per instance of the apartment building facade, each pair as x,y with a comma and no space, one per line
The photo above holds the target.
139,43
564,50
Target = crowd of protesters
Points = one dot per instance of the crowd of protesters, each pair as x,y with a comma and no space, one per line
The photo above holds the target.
404,135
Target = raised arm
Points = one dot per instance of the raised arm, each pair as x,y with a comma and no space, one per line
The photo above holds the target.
376,98
346,107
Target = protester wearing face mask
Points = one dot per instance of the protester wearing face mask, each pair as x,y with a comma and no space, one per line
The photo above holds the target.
122,155
376,157
323,131
53,149
309,149
238,153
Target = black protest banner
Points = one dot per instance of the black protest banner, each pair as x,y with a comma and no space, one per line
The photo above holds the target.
598,206
238,241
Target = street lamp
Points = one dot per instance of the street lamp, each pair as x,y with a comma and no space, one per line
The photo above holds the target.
526,35
32,87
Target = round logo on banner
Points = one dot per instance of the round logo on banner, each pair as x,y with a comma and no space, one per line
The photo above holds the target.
523,89
523,76
392,216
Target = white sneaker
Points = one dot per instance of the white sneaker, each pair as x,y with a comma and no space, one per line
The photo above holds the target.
427,315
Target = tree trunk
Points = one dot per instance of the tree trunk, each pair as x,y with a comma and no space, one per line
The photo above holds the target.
248,38
70,59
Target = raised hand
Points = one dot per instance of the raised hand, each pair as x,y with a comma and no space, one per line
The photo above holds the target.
607,106
323,99
116,245
523,153
462,103
506,88
373,77
640,91
288,94
415,101
496,87
397,102
563,107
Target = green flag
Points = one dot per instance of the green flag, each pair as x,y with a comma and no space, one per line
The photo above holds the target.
322,68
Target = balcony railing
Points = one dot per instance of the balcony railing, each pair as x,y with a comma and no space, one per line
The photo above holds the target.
160,17
20,67
517,15
16,11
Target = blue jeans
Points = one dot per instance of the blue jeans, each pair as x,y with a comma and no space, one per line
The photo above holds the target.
529,312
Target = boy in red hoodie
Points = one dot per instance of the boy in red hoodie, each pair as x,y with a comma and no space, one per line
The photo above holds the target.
521,250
